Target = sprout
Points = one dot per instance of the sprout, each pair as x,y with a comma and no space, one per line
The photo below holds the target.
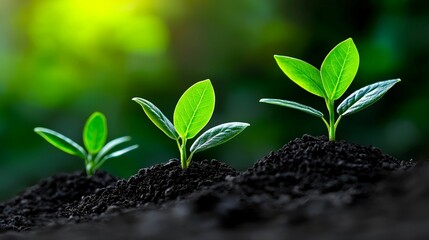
336,74
94,139
192,113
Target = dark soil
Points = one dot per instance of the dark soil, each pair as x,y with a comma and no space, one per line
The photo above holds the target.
39,204
151,186
70,198
310,187
304,178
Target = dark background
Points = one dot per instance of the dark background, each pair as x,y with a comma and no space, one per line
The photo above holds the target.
60,60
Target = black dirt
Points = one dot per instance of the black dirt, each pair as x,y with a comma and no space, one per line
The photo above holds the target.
41,203
310,188
397,209
155,185
306,177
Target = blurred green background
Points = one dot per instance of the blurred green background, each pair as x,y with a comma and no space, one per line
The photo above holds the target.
60,60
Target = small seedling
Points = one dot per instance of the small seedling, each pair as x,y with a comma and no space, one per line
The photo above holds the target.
336,74
94,139
193,111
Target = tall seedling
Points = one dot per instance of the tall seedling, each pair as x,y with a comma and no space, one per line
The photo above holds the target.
335,76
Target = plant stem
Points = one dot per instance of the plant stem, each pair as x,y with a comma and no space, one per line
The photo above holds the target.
183,158
89,165
188,161
332,126
326,123
90,169
338,121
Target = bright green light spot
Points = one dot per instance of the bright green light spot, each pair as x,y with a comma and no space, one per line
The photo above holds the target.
80,45
91,27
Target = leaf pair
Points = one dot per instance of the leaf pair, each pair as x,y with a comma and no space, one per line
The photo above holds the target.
335,76
94,139
192,113
336,73
356,102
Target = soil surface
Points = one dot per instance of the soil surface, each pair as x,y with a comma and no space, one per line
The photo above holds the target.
310,187
71,198
150,187
304,178
39,204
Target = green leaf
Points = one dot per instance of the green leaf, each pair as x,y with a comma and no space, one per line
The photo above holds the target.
194,109
110,145
95,132
61,142
339,69
365,97
294,105
302,73
158,118
114,155
217,135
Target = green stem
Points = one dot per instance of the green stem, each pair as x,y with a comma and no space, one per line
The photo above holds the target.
338,121
331,109
89,165
183,158
188,162
326,123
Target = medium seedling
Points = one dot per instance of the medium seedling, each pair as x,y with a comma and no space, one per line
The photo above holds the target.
94,139
193,111
336,74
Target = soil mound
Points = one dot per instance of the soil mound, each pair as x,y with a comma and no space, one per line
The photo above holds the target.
152,186
39,204
337,185
306,177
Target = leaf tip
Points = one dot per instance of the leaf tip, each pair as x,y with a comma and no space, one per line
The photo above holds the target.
206,80
39,130
280,57
140,101
349,40
97,113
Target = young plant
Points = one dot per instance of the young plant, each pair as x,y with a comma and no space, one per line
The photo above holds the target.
193,111
94,139
336,74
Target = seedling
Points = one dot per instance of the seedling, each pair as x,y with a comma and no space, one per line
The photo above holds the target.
94,139
193,111
336,74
